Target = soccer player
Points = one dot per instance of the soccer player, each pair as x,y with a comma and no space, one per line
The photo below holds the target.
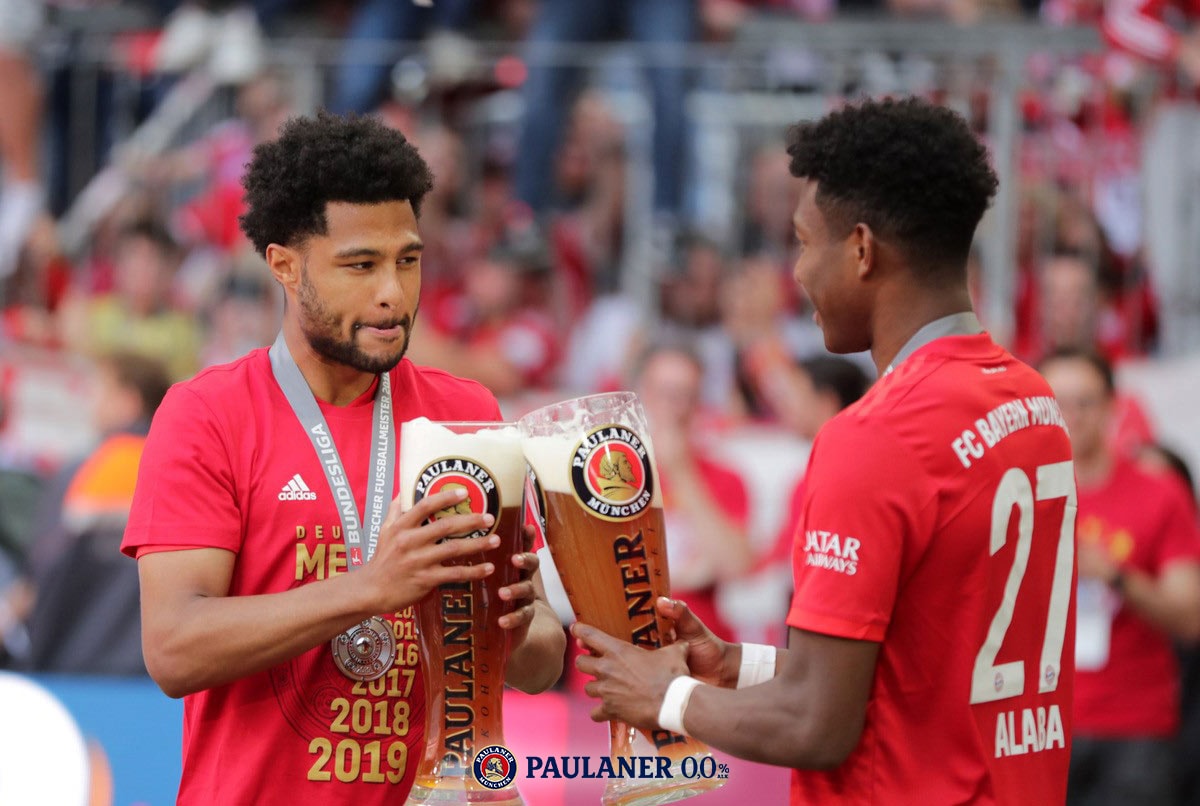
930,653
257,476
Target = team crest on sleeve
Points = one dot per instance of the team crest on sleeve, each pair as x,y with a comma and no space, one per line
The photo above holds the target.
456,472
611,473
495,766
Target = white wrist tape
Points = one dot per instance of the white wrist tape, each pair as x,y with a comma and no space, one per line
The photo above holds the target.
670,714
758,664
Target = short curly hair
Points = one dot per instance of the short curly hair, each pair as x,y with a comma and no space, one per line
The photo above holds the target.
911,171
322,159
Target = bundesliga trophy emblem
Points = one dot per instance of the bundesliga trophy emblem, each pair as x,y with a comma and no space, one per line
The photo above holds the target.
365,651
594,463
463,649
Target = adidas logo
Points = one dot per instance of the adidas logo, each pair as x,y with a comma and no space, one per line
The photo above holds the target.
296,490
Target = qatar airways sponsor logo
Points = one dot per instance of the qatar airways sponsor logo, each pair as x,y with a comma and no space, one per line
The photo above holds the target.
831,551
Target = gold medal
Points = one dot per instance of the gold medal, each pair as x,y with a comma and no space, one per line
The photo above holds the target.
366,650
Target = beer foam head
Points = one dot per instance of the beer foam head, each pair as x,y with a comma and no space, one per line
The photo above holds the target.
550,458
497,449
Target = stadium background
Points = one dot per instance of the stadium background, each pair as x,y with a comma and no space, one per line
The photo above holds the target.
658,207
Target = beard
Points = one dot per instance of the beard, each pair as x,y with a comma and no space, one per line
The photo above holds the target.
320,328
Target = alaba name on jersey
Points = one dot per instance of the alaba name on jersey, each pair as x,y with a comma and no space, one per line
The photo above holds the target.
938,520
227,465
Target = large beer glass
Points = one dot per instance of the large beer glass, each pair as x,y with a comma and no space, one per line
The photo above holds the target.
602,507
463,649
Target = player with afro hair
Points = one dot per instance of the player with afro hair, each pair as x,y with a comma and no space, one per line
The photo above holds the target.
911,171
327,158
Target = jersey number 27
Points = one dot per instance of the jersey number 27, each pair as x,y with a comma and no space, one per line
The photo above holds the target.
991,681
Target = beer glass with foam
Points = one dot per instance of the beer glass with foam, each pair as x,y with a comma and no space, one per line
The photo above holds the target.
463,649
602,508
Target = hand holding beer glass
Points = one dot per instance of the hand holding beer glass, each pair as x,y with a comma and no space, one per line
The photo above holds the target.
594,462
464,651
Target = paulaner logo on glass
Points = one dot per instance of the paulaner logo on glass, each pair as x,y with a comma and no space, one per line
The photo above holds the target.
623,767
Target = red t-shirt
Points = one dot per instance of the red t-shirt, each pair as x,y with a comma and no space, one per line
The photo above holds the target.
936,522
222,449
527,341
1127,683
728,491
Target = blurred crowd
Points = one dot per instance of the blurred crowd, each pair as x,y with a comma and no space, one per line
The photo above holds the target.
538,281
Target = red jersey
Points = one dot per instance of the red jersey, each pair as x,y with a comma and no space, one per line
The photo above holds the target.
1127,683
938,520
228,465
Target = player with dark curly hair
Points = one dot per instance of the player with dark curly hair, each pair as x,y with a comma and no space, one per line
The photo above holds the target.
264,481
323,159
930,653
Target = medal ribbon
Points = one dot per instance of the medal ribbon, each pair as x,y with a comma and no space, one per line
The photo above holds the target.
383,454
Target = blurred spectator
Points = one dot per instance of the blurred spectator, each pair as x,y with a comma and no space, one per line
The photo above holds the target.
1070,317
216,162
85,615
497,330
1035,213
656,24
21,192
1161,459
602,345
705,504
771,198
820,387
817,389
1166,34
1080,306
138,314
461,219
492,208
95,272
589,174
1138,550
361,79
224,38
691,296
690,299
244,316
766,335
1068,307
126,389
1127,323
